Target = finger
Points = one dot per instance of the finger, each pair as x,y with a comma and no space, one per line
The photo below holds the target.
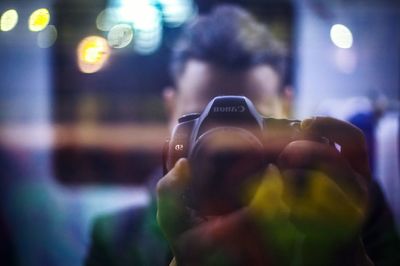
267,200
350,138
225,240
322,211
271,214
327,198
311,155
172,214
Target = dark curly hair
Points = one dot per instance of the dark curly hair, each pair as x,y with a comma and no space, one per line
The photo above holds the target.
231,38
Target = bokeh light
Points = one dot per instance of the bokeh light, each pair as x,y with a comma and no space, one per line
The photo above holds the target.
177,12
47,37
39,19
341,36
120,36
146,18
8,20
107,18
148,29
93,52
147,42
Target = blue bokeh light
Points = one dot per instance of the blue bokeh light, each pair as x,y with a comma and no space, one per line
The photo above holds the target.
147,18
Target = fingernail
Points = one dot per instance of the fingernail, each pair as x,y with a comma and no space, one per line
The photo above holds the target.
306,123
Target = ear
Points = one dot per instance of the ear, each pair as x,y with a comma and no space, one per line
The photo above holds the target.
169,98
287,100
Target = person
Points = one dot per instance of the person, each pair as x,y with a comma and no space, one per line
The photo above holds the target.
335,216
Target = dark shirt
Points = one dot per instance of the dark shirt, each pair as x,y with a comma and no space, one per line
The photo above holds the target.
380,237
129,237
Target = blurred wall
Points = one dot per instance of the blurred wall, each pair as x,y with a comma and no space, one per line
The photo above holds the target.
324,71
48,223
24,85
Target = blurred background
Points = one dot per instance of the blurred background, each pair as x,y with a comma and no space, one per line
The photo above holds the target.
82,117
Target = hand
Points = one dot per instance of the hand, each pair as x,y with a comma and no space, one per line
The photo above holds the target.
327,190
321,193
232,239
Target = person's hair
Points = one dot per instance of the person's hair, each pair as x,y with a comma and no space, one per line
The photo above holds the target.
231,38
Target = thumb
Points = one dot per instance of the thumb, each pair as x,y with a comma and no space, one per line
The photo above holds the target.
172,215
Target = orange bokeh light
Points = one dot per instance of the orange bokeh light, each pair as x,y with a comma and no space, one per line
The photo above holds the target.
93,52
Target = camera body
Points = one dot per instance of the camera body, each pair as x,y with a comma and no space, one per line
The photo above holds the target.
229,146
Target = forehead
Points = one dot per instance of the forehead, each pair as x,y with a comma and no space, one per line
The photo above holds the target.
202,81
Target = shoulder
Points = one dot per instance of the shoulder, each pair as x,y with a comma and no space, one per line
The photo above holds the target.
113,227
125,237
122,217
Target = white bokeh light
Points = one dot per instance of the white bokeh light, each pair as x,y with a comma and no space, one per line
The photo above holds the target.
47,37
120,36
341,36
177,12
8,20
107,19
148,29
146,19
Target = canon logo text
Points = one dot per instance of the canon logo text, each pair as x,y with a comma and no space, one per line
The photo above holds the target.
229,109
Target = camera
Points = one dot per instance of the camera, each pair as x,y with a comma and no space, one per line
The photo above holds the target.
229,146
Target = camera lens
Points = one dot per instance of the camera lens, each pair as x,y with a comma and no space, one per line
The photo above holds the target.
225,163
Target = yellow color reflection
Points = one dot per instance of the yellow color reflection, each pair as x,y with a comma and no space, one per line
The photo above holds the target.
8,20
39,19
93,52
